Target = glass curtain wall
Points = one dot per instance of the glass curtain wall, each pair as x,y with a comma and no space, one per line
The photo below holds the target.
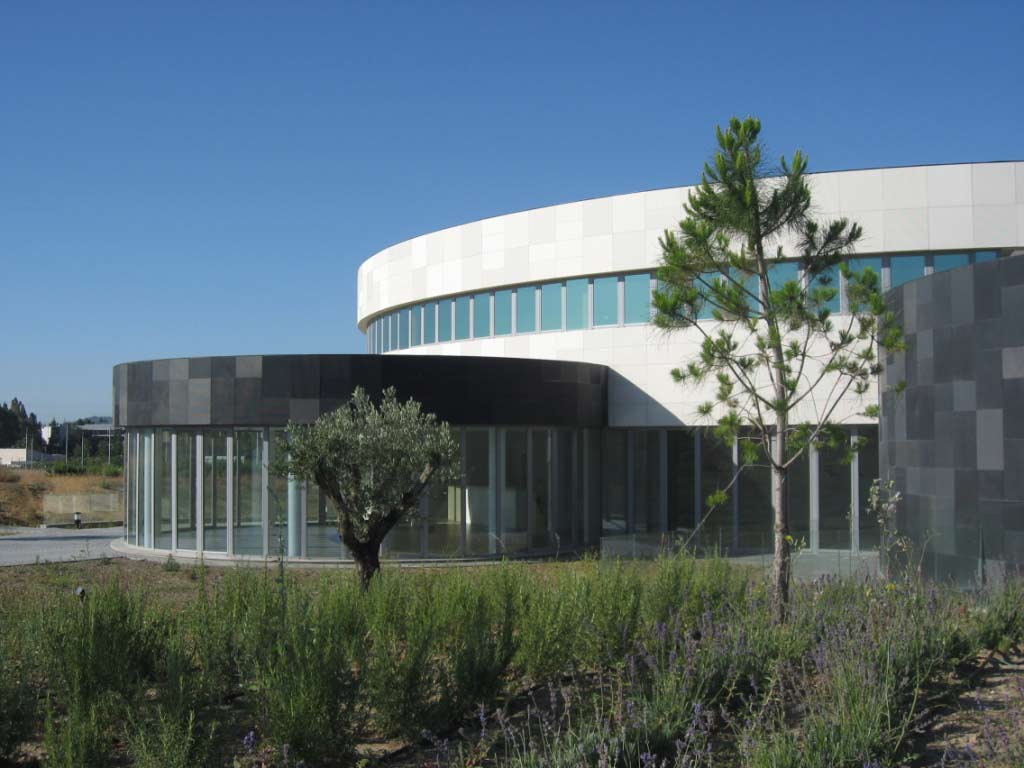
444,521
798,495
185,479
716,472
755,505
540,502
681,480
322,537
132,524
613,482
515,502
277,501
833,499
162,482
248,496
647,481
481,530
867,471
215,491
566,509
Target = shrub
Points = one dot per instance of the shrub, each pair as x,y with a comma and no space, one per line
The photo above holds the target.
169,742
104,641
64,469
17,704
79,739
306,686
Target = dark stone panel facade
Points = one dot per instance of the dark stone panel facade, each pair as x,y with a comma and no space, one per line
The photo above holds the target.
953,440
271,390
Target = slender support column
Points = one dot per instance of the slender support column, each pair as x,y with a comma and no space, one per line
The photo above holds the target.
736,496
303,516
265,496
147,490
294,517
174,491
463,493
854,497
229,496
200,512
815,509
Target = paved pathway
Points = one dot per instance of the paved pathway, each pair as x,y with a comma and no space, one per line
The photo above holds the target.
24,546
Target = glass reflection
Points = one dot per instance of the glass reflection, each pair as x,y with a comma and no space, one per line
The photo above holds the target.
480,523
215,491
162,488
540,508
248,497
185,471
515,502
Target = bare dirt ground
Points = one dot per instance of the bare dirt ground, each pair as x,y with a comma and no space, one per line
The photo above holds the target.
984,725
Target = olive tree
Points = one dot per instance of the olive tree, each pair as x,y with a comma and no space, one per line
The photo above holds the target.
776,366
374,462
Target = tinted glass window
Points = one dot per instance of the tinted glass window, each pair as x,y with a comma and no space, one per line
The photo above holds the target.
606,301
943,261
551,307
830,279
502,313
393,322
638,298
576,304
526,309
444,320
703,284
403,325
902,269
414,326
481,315
874,263
981,256
780,274
462,317
429,312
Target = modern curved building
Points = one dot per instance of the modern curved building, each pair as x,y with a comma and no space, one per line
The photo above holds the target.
466,314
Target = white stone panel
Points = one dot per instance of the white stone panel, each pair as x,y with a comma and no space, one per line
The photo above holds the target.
949,185
951,227
597,216
542,226
628,213
993,183
904,187
905,228
860,190
995,225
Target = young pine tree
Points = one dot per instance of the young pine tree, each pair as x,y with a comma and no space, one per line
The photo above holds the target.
781,364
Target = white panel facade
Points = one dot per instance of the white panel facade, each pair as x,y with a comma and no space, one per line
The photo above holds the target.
902,210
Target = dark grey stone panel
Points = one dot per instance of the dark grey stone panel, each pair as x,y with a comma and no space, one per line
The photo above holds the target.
953,441
281,388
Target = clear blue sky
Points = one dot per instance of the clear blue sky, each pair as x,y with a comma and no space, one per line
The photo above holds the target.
197,178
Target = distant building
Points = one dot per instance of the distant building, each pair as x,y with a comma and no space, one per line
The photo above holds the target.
19,456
